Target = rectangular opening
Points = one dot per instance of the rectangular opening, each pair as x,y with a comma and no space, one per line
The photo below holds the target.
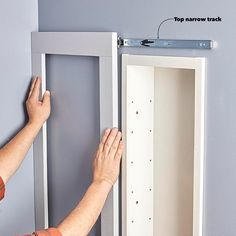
162,130
73,131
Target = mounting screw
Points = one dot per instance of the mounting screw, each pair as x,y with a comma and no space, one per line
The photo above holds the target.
120,42
136,112
136,202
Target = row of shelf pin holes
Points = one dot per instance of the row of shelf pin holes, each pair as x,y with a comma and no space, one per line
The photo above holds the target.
148,218
132,162
133,193
137,112
133,131
149,101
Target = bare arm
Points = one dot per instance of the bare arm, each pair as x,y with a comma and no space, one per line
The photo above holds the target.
106,171
13,153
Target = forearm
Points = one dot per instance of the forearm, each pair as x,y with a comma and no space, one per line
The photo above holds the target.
84,216
13,153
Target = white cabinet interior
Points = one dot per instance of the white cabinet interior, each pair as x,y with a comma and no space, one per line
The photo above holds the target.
163,128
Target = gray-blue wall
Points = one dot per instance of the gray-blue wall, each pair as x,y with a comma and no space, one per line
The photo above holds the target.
17,20
140,19
73,131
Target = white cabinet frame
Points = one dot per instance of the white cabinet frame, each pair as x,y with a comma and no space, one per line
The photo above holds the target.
98,44
198,65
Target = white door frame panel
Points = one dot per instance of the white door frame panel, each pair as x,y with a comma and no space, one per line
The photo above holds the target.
104,46
197,64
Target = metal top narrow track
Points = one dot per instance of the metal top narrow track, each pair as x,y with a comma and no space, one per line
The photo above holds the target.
166,43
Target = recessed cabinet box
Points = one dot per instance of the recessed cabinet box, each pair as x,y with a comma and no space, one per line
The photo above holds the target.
163,131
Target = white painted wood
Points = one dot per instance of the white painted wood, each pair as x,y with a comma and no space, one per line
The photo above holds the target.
109,118
74,43
179,94
103,45
199,150
40,155
138,163
174,151
165,61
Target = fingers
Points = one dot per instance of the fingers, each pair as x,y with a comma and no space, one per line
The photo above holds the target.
106,134
32,86
104,139
110,140
36,89
119,151
46,99
115,145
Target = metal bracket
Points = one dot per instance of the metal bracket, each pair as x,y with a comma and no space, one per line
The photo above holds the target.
166,43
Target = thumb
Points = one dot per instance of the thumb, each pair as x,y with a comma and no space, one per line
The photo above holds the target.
46,98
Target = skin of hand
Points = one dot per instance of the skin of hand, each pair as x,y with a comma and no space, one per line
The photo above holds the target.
106,168
13,153
38,110
107,158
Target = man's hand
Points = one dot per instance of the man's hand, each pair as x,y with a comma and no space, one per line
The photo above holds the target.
108,156
38,110
106,171
13,153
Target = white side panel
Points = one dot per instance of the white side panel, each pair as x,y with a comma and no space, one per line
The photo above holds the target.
199,151
40,155
174,151
138,157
